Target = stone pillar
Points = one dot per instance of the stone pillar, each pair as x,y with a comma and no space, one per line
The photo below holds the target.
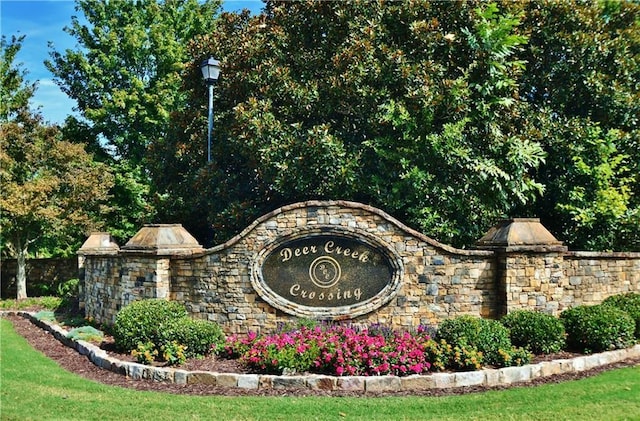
146,266
98,244
530,265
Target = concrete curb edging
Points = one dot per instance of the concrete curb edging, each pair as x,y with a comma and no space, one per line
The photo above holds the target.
487,377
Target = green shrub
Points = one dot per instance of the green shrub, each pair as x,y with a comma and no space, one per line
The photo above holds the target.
629,302
144,321
598,328
68,289
200,337
487,336
86,333
539,333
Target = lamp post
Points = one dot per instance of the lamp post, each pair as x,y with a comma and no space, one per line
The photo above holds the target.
210,72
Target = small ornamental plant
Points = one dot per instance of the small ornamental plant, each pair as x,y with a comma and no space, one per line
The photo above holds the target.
45,315
145,353
463,357
237,345
86,333
174,353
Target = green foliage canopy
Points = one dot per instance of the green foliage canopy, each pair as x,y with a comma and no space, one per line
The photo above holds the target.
450,115
126,76
583,74
409,106
52,190
126,73
15,92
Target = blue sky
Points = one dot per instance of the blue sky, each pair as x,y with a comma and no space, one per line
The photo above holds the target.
43,21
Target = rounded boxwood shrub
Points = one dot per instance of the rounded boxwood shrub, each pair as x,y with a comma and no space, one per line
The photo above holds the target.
487,336
143,321
629,302
200,337
538,332
598,328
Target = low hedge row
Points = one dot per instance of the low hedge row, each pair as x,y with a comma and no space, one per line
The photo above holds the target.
614,324
161,329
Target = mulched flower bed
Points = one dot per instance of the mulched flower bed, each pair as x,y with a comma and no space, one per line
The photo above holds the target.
72,361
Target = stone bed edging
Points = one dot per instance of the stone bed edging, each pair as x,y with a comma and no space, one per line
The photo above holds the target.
486,377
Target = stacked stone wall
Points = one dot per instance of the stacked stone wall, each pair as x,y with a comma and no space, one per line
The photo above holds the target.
43,275
102,291
592,277
437,281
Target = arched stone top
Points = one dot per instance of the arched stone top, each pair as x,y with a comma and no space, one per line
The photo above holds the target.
344,204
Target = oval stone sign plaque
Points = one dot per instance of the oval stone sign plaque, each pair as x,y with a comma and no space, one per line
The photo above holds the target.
326,275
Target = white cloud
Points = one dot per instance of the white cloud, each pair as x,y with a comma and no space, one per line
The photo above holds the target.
54,104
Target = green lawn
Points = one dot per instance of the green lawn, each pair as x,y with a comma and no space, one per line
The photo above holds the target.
32,387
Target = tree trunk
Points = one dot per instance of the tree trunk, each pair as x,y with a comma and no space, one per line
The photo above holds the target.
21,276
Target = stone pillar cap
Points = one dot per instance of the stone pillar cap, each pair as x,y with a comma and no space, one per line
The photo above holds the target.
162,239
520,234
99,243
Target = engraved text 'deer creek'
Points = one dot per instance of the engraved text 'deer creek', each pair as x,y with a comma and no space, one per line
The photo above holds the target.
326,275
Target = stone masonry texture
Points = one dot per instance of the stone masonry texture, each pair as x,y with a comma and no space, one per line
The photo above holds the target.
437,281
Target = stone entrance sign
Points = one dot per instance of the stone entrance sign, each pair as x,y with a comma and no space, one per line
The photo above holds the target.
328,274
338,260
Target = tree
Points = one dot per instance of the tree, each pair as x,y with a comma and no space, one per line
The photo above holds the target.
450,115
14,91
126,77
410,106
51,188
584,76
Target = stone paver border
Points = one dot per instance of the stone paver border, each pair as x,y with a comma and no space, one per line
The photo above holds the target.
487,377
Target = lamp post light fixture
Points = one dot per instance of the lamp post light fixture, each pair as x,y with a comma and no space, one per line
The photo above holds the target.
210,72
